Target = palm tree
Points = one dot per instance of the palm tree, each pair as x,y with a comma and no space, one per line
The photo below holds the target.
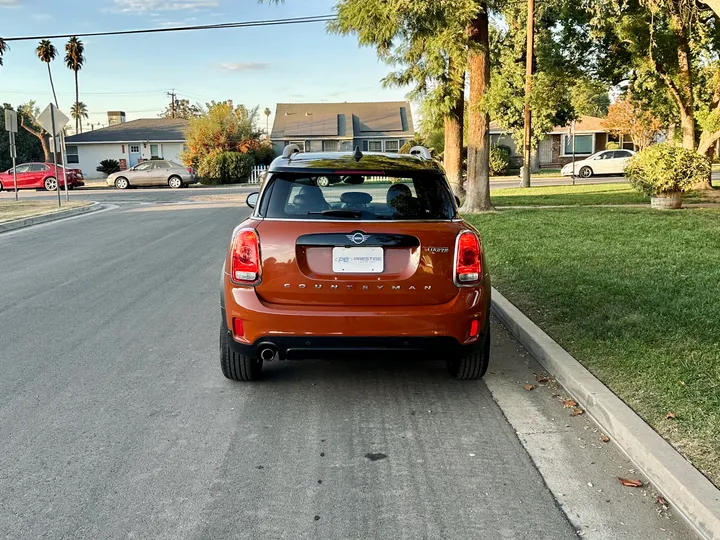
3,47
78,111
47,52
268,112
74,59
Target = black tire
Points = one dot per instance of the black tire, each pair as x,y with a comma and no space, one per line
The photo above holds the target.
1,187
585,172
175,182
237,367
474,366
122,183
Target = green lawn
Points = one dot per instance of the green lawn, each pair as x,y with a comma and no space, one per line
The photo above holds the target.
633,294
620,193
513,174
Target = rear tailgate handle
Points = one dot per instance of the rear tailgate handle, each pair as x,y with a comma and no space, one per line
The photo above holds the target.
358,238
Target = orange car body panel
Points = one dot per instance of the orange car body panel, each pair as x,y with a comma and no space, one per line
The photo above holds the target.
299,295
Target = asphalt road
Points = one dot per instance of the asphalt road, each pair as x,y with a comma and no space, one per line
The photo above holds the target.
117,423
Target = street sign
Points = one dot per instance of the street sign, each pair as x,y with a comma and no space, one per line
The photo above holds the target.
11,124
46,120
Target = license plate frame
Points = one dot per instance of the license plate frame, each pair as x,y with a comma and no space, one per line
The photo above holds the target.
358,260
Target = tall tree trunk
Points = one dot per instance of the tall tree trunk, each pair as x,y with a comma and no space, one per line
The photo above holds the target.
45,142
685,80
52,85
77,102
478,188
453,157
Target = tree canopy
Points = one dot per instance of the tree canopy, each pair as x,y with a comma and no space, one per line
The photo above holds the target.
183,109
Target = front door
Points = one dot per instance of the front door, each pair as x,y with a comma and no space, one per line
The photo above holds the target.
545,151
142,174
23,176
135,154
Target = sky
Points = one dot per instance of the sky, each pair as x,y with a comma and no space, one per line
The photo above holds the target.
252,66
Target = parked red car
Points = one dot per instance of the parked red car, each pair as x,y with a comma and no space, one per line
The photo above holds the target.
40,176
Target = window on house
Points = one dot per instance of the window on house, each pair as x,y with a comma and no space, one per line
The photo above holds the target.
134,149
346,146
627,142
155,151
375,146
301,144
330,146
72,153
392,146
314,146
583,145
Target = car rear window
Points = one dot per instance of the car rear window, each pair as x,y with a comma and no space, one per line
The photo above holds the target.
301,196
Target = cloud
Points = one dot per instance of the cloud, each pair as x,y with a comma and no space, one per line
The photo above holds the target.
9,3
153,6
243,66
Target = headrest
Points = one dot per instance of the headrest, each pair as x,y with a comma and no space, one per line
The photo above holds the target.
356,197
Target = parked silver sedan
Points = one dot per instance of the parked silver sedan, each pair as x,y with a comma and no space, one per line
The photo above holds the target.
154,173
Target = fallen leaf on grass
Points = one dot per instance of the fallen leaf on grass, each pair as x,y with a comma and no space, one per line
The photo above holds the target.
661,501
605,438
541,378
577,412
670,416
529,387
630,483
569,403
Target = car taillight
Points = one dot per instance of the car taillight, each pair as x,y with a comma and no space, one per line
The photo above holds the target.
245,266
468,260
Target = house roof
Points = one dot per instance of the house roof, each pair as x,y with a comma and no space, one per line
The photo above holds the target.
343,120
143,130
584,124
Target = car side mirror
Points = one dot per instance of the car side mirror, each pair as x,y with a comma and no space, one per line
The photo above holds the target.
252,199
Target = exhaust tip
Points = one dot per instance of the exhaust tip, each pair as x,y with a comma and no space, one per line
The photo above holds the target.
267,353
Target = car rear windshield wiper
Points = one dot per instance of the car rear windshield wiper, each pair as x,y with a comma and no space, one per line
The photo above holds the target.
338,213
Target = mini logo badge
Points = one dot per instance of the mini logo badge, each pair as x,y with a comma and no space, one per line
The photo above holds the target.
358,238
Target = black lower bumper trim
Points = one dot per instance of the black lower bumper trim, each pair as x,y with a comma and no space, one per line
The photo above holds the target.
322,347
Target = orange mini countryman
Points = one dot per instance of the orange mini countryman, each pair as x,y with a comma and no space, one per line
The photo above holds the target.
354,254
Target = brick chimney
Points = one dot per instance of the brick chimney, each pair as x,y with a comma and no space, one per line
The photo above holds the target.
116,117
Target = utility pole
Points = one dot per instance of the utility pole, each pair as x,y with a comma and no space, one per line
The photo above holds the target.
173,95
530,51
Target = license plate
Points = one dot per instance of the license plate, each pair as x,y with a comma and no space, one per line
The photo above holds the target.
358,260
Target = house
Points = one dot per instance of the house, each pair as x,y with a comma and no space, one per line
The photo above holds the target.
556,149
127,142
332,127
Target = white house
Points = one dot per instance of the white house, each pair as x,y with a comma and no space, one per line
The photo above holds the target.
127,142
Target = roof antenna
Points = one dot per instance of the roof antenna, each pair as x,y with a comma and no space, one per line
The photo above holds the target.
357,155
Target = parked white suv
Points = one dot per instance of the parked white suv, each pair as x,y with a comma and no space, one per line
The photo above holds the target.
605,162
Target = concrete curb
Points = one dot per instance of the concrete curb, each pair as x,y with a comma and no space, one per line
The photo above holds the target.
46,218
693,495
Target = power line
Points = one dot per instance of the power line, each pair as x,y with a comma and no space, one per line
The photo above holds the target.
245,24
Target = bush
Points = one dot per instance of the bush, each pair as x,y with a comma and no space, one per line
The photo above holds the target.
264,155
108,166
225,168
663,168
499,160
612,145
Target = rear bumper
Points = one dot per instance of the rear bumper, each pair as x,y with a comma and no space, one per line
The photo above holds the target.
297,332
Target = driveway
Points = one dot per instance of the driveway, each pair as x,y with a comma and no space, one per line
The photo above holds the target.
117,423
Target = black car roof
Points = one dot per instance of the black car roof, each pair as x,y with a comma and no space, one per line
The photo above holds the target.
331,162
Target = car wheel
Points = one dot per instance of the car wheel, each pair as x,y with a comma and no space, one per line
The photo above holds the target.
1,187
473,366
122,183
586,172
323,181
175,182
50,184
237,367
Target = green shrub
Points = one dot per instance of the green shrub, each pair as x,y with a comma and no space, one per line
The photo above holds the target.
612,145
663,168
225,168
499,160
108,166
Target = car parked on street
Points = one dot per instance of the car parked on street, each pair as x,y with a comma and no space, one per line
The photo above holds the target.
358,267
40,176
158,172
605,162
